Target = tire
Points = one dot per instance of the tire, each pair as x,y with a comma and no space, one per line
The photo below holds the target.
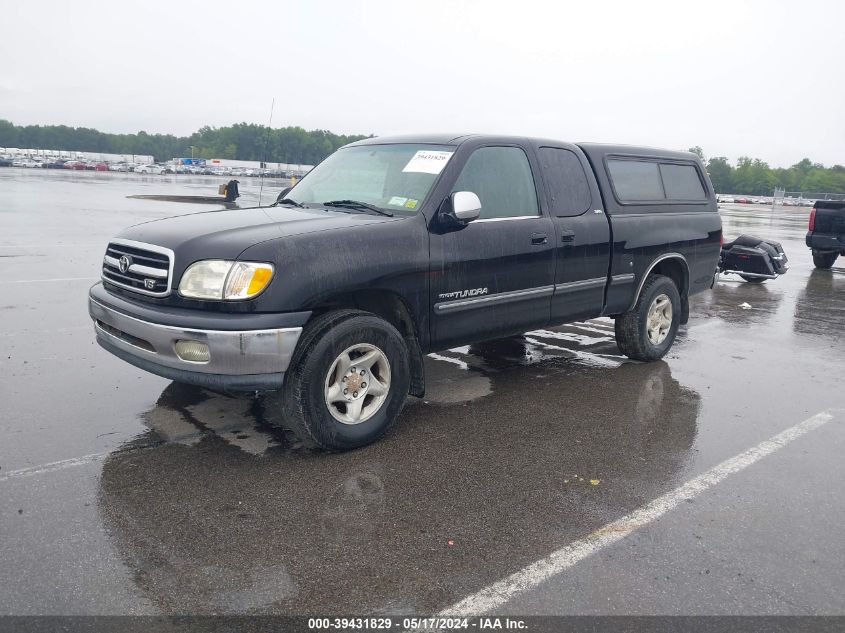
632,327
824,260
302,405
753,280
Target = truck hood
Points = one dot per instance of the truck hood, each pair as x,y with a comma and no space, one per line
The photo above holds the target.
226,234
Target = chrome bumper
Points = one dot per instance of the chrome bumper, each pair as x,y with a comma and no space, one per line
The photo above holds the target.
235,353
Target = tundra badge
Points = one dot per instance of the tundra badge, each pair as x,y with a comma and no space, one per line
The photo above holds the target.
460,294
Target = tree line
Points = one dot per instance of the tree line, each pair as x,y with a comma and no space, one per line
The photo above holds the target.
242,141
248,141
753,176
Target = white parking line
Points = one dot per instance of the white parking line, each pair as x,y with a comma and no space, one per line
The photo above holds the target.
449,359
581,339
52,466
590,358
562,559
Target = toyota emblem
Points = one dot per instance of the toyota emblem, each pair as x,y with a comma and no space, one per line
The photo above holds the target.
124,263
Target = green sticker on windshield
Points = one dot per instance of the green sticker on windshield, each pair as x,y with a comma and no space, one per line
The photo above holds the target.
411,204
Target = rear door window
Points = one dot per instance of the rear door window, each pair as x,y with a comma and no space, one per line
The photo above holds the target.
682,182
567,182
636,180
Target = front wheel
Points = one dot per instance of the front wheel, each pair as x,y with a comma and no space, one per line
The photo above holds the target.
824,260
347,382
648,330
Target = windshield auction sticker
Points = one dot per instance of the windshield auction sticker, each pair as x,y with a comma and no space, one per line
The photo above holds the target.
428,162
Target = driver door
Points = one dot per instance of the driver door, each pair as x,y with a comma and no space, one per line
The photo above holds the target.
494,276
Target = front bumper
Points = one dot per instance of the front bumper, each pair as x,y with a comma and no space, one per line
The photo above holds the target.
251,359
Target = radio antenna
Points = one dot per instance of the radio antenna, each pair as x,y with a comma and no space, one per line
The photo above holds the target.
266,146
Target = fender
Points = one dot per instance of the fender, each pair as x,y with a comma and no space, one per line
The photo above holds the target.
682,290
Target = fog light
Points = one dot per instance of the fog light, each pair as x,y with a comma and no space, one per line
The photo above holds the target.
193,351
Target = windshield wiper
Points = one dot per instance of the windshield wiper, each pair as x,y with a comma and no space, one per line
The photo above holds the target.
288,201
354,204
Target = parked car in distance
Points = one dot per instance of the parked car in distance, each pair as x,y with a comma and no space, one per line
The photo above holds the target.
5,162
149,169
826,232
392,248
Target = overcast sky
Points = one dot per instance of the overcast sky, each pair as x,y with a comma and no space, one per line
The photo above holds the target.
763,79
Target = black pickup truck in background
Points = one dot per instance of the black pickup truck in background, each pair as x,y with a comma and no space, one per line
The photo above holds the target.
826,232
392,248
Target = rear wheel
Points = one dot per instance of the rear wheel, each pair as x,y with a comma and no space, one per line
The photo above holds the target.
824,260
347,382
648,330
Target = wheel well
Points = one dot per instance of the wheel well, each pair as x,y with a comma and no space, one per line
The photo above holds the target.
393,309
676,269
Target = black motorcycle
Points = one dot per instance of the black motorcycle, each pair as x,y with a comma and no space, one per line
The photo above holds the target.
752,258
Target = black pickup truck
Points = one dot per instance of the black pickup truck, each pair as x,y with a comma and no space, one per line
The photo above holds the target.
826,232
392,248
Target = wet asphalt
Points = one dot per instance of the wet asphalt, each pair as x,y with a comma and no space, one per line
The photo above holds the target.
124,493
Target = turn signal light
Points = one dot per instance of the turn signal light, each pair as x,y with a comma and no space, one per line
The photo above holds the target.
812,226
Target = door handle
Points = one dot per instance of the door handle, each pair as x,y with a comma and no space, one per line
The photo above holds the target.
567,235
539,238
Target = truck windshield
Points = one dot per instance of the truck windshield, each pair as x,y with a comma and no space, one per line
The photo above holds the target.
395,178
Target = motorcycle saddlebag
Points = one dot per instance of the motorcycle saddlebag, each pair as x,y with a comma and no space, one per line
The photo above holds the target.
748,254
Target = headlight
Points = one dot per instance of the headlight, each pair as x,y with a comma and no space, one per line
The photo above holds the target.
218,279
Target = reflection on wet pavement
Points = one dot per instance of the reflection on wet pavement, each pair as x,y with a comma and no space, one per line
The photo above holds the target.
233,518
820,306
741,303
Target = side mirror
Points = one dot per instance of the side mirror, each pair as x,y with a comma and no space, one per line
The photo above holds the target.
283,193
461,208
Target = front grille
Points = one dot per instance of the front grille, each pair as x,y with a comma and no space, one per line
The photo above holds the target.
146,268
